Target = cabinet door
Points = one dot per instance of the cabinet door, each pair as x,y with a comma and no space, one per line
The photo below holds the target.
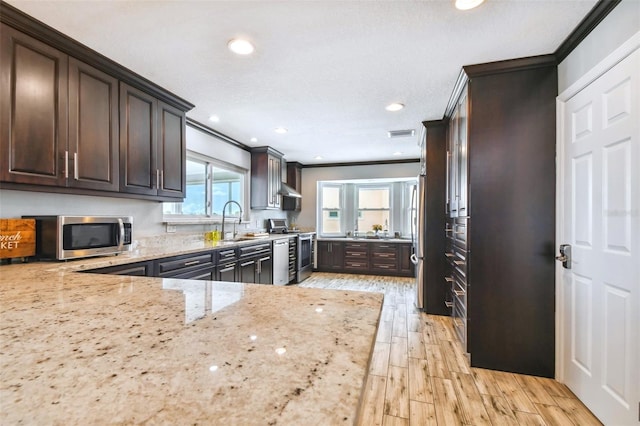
324,256
93,128
138,127
247,271
405,266
462,163
452,166
33,100
171,154
294,179
227,272
265,267
275,177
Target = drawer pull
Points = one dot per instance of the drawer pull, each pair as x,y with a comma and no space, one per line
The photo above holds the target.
448,279
459,262
459,292
191,263
449,254
448,304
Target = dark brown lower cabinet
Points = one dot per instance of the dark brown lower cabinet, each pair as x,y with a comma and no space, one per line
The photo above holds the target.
376,257
139,269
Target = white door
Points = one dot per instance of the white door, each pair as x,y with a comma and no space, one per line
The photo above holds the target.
599,201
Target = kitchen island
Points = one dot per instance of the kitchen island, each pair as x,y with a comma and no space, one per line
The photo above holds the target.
78,348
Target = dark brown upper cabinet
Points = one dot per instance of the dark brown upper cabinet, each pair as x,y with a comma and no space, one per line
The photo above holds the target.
61,123
74,121
93,128
152,145
33,93
266,177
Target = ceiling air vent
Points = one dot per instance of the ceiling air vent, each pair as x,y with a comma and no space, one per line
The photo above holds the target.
401,133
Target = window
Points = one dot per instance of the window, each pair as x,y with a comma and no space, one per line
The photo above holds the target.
373,207
210,184
356,205
331,206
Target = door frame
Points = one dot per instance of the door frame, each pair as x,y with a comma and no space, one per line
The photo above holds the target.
611,60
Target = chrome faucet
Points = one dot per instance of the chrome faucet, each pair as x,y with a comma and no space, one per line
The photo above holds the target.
224,216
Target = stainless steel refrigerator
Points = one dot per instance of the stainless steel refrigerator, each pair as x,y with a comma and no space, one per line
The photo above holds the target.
418,200
429,221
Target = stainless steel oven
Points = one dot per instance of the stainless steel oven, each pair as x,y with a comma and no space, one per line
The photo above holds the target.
305,255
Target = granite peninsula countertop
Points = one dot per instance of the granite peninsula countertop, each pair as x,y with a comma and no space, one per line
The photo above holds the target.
104,349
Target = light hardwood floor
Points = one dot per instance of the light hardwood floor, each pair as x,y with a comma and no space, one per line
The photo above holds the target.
419,375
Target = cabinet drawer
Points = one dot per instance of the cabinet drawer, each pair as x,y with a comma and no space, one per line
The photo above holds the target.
357,246
254,250
384,266
356,254
165,266
356,264
384,255
460,234
225,255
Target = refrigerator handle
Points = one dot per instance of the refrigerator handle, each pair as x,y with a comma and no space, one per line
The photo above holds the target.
413,220
414,259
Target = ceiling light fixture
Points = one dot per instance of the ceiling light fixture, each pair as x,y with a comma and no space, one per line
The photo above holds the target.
468,4
397,153
214,118
240,46
254,139
394,107
318,157
280,130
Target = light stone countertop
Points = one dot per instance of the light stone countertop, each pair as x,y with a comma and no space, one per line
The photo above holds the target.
79,348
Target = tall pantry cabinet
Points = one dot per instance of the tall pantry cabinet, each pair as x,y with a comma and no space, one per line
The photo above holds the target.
500,203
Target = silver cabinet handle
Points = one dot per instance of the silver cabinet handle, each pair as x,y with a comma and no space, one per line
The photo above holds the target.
448,279
459,292
448,304
161,179
459,262
191,263
449,254
158,178
75,165
66,164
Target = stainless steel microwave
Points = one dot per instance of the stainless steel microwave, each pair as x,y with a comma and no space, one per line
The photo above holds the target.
74,237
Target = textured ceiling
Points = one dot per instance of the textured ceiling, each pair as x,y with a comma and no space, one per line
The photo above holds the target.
325,70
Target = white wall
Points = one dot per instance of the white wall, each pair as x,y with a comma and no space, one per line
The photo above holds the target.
306,218
616,28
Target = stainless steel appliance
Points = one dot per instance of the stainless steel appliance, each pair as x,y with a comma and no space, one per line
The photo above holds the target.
277,226
74,237
281,261
418,209
417,237
305,255
305,247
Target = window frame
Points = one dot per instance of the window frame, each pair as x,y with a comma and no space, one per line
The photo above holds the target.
399,205
340,208
209,215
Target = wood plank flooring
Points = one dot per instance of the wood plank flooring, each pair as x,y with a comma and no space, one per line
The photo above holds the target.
419,375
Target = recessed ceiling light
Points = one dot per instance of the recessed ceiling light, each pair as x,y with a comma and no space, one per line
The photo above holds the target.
318,157
214,118
468,4
397,153
254,139
281,130
394,107
240,46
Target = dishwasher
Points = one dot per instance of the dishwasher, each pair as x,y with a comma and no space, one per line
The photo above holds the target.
281,261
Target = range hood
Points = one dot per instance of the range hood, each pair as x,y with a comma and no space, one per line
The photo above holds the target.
288,191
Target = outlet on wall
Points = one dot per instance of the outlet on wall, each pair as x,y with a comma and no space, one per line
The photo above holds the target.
171,228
